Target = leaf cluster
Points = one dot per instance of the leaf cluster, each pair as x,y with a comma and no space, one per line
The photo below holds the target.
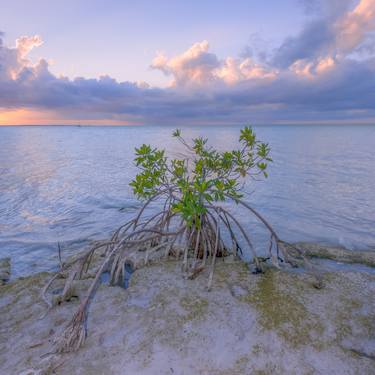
204,177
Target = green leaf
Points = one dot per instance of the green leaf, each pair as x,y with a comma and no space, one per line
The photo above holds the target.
205,177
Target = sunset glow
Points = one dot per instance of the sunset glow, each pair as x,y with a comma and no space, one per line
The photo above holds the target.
322,71
30,117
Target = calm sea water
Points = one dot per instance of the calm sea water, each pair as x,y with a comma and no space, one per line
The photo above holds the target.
70,184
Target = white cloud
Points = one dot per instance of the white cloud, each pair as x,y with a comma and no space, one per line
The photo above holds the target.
15,60
197,66
25,44
235,70
311,69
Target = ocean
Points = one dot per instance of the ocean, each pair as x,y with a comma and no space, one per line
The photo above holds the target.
71,185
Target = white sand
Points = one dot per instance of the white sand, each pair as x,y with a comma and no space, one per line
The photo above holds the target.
275,323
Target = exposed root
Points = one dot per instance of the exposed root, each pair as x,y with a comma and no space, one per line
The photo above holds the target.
191,225
141,242
74,334
45,289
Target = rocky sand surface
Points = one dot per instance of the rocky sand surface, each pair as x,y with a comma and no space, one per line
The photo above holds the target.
272,323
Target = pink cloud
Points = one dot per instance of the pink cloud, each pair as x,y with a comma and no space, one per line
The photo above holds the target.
353,27
194,66
25,44
197,66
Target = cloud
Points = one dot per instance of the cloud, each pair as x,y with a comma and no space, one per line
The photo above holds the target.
334,35
353,28
14,60
25,44
316,39
326,8
197,66
314,76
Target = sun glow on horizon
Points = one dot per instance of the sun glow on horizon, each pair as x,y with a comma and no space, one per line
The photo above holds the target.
24,116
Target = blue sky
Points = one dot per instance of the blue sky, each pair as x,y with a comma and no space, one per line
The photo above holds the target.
120,38
233,61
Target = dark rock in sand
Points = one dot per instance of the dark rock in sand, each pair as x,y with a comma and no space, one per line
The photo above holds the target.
337,253
4,270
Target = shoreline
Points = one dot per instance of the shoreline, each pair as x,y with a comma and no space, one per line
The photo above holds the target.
313,250
164,324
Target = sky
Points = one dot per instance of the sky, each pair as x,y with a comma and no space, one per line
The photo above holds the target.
180,63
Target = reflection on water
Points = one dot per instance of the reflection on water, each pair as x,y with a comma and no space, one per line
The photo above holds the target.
70,184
